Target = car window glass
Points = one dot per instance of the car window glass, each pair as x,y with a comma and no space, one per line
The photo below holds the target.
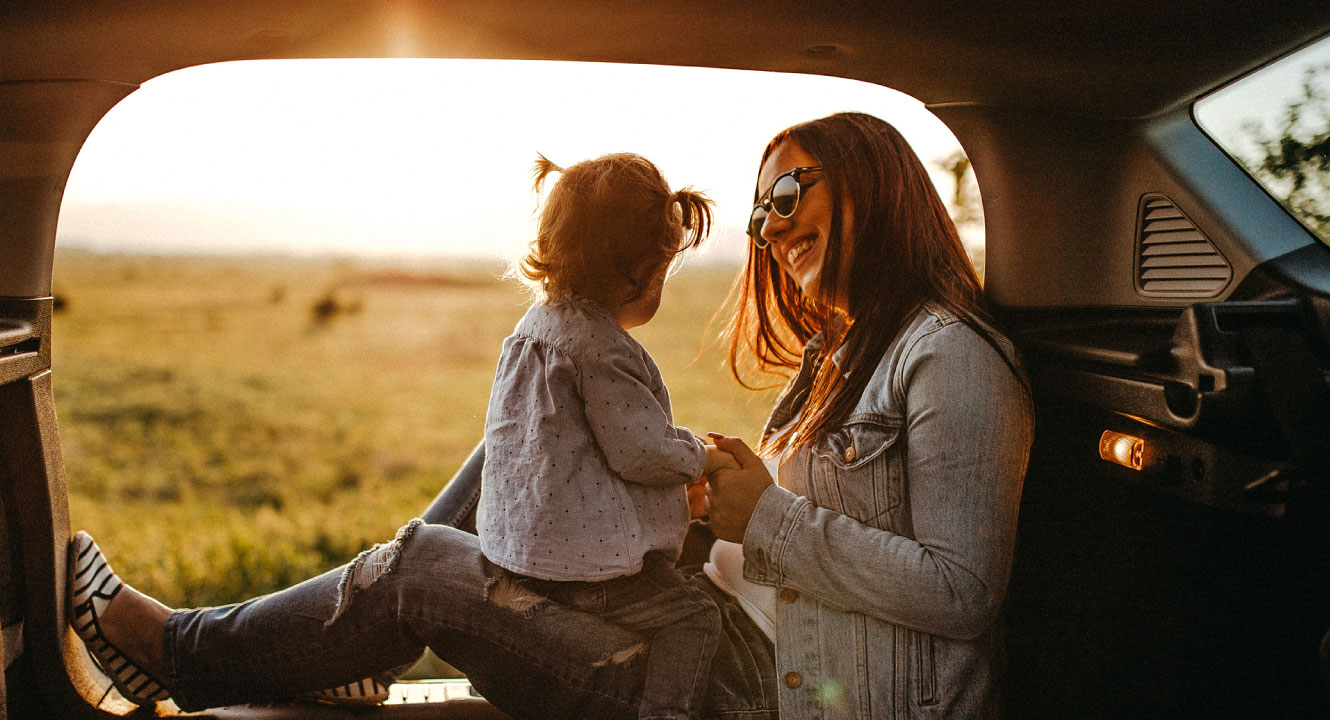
1276,123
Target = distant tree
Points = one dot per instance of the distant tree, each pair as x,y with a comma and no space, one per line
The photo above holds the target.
1292,159
965,205
330,305
966,209
326,308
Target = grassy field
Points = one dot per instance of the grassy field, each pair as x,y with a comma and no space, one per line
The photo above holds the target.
231,426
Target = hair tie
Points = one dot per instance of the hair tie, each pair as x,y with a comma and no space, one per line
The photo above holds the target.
542,170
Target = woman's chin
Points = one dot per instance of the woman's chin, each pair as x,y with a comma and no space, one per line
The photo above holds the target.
809,285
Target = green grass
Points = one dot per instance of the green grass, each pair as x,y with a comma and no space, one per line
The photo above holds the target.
221,442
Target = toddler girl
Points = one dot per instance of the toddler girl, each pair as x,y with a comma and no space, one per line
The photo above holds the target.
583,496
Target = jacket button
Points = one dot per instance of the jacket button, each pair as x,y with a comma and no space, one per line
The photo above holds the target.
849,454
793,680
788,595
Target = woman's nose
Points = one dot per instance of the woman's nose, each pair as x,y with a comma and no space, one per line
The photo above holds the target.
775,227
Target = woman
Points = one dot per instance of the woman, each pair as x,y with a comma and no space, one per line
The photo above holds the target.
878,564
901,442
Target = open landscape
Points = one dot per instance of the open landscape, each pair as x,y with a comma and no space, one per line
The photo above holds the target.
233,425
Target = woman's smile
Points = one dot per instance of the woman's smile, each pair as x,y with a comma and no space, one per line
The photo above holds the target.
799,249
802,260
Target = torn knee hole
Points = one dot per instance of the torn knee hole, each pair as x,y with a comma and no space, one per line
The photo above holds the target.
369,566
508,592
620,657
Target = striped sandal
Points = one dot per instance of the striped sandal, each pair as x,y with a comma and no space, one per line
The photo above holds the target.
368,691
92,584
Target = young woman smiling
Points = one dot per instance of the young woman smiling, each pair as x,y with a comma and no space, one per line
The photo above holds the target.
900,445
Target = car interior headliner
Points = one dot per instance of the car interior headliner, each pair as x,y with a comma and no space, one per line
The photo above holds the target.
1127,59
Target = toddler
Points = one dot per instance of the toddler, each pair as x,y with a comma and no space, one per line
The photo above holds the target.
583,494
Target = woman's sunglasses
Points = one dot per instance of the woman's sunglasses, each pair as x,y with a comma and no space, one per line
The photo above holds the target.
781,198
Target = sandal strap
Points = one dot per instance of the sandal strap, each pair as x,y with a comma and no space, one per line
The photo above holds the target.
92,584
368,691
93,578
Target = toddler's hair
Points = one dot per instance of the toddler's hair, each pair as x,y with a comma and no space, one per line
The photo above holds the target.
604,221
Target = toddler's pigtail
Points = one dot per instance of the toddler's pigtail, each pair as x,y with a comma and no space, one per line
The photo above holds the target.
696,215
539,265
541,171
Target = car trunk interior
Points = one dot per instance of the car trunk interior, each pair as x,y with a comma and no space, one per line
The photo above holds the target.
1197,585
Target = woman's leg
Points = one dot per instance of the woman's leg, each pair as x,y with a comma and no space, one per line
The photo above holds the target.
135,620
455,505
430,586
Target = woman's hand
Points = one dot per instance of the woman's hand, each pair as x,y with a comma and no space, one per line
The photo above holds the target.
733,494
717,459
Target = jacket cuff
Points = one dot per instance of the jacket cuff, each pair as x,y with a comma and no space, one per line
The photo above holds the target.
768,532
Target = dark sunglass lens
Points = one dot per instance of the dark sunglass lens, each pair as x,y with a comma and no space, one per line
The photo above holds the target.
756,221
785,195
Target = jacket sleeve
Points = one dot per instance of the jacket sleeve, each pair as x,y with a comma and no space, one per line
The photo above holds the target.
968,429
633,429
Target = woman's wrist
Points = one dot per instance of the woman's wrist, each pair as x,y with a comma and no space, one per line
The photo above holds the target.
772,518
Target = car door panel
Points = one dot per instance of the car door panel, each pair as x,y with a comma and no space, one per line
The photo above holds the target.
1195,586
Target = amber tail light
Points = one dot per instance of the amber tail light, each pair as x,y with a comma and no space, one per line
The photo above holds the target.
1124,450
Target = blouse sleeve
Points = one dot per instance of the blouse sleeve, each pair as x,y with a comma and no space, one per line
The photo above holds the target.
968,429
632,427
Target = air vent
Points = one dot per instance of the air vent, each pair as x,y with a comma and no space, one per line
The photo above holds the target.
1175,258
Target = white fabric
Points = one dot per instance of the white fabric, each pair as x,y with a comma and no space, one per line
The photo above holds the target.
726,569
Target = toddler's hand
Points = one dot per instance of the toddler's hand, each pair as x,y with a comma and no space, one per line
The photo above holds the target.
718,459
697,499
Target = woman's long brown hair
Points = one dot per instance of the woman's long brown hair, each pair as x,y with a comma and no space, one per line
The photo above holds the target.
905,252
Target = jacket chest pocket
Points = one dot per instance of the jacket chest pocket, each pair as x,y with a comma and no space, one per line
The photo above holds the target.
857,470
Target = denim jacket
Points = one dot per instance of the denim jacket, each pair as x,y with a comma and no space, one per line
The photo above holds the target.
890,540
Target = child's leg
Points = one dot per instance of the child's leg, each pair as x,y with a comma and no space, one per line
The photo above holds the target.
682,625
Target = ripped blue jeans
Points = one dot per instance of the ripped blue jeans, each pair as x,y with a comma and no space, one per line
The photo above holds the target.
678,621
431,587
